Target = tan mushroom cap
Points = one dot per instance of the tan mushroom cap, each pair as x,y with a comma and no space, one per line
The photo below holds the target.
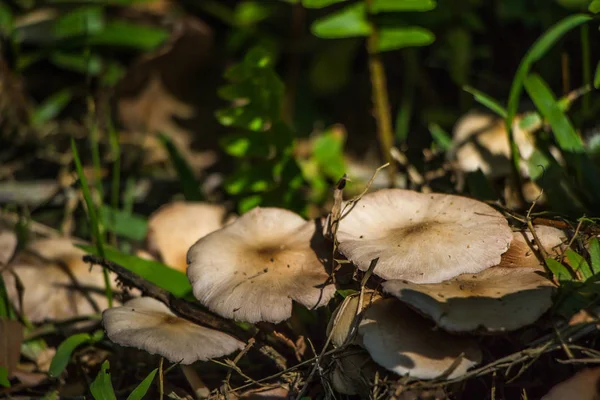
495,300
353,372
8,244
522,251
402,341
422,238
252,269
148,324
176,226
584,385
343,320
50,270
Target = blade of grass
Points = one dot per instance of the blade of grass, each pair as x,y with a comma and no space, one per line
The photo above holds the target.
486,100
140,391
64,351
102,388
597,76
595,255
189,185
93,218
441,137
561,272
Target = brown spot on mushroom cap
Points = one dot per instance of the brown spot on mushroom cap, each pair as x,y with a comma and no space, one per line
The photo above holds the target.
149,325
468,235
495,300
292,250
402,341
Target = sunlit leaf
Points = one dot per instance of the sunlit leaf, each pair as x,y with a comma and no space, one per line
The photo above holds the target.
346,292
328,151
350,21
560,271
249,13
140,391
402,5
102,388
594,7
397,38
486,100
125,224
4,377
159,274
126,34
67,347
82,21
578,263
595,255
319,3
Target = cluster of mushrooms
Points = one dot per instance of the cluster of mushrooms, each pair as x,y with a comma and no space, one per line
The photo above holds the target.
445,268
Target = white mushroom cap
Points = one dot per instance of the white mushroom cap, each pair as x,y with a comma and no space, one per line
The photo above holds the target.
522,251
402,341
176,226
343,319
495,300
584,385
252,269
353,372
47,268
148,324
422,238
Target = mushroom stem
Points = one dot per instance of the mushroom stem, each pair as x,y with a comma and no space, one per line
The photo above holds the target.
200,389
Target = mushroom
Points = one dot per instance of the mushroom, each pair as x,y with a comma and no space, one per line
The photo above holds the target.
422,238
343,322
495,300
402,341
148,324
353,372
176,226
522,251
252,269
57,283
584,385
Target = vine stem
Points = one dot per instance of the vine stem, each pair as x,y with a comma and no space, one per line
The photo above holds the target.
381,103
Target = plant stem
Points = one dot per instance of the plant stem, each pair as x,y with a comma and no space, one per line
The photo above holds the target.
381,102
586,66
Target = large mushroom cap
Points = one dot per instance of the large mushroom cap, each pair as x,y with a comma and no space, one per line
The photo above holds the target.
495,300
252,269
522,251
176,226
402,341
584,385
57,283
148,324
422,238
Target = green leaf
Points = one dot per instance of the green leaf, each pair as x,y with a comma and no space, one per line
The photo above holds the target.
67,347
398,38
250,13
594,7
558,270
159,274
91,65
125,224
597,76
544,100
126,34
140,391
595,255
6,19
578,263
486,100
4,377
346,292
402,5
328,151
319,3
51,395
441,137
102,388
350,21
51,107
189,186
83,21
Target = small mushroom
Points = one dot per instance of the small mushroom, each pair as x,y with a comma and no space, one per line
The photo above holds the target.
584,385
422,238
147,324
402,341
176,226
343,321
252,269
522,251
495,300
57,283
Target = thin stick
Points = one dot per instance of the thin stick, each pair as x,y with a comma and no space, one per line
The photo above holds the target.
160,378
